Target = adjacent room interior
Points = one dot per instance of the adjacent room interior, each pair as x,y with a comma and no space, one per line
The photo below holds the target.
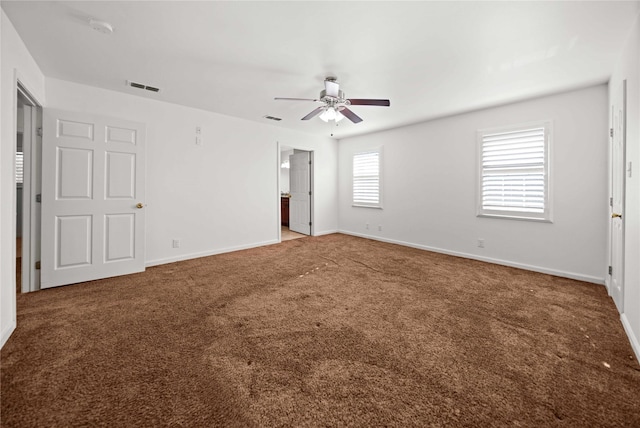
320,213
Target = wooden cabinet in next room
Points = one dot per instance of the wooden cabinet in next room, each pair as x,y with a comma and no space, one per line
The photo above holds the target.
284,211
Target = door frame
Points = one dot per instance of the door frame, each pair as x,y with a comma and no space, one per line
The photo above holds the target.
32,173
279,146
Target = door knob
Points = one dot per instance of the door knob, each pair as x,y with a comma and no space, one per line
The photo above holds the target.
616,215
139,205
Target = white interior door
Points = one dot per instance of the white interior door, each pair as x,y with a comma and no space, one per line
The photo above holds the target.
31,187
618,110
92,197
300,189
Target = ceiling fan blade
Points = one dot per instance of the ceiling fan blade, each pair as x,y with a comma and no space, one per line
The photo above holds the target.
296,99
350,115
332,88
369,102
313,113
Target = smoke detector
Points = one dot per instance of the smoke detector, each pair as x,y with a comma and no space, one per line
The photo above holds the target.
101,26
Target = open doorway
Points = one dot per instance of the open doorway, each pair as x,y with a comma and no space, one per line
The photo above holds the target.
295,188
28,184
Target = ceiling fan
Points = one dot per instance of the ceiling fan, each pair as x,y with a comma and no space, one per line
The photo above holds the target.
334,104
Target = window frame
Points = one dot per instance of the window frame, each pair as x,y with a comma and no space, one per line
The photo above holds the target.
547,215
359,204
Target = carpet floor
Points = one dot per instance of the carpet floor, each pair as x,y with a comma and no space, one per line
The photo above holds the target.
326,331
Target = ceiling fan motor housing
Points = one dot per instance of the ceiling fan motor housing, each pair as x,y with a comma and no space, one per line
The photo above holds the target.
333,101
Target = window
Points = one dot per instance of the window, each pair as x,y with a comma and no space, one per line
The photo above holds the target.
367,183
19,167
514,172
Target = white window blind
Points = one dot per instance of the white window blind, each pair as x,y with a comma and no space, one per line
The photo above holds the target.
514,178
19,167
366,179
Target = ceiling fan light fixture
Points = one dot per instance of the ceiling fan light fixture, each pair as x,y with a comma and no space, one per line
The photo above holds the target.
331,113
328,114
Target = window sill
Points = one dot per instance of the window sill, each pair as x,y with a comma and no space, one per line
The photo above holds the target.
378,207
513,217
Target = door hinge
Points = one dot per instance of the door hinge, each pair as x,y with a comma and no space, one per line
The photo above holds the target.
309,162
37,265
611,201
611,132
309,223
38,197
309,192
39,132
610,270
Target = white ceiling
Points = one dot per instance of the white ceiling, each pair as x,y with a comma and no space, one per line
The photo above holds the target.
430,59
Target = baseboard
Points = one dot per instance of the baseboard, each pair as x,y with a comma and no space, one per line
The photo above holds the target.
207,253
564,274
633,339
6,333
190,256
325,232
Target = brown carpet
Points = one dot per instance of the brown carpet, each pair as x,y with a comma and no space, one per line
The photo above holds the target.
327,331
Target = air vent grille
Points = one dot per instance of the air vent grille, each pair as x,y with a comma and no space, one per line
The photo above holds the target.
141,86
277,119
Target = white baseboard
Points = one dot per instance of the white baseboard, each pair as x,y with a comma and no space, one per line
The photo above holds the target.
633,339
564,274
325,232
207,253
6,333
190,256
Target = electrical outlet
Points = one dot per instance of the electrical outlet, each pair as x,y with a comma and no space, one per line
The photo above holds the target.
176,243
480,243
198,136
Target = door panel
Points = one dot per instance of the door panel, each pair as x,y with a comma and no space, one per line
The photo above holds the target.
75,173
300,187
93,180
618,145
73,241
120,175
119,237
80,130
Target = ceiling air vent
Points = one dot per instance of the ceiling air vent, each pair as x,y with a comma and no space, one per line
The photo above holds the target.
277,119
141,86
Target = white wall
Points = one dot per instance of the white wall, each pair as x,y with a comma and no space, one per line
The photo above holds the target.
628,68
215,197
15,63
430,184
